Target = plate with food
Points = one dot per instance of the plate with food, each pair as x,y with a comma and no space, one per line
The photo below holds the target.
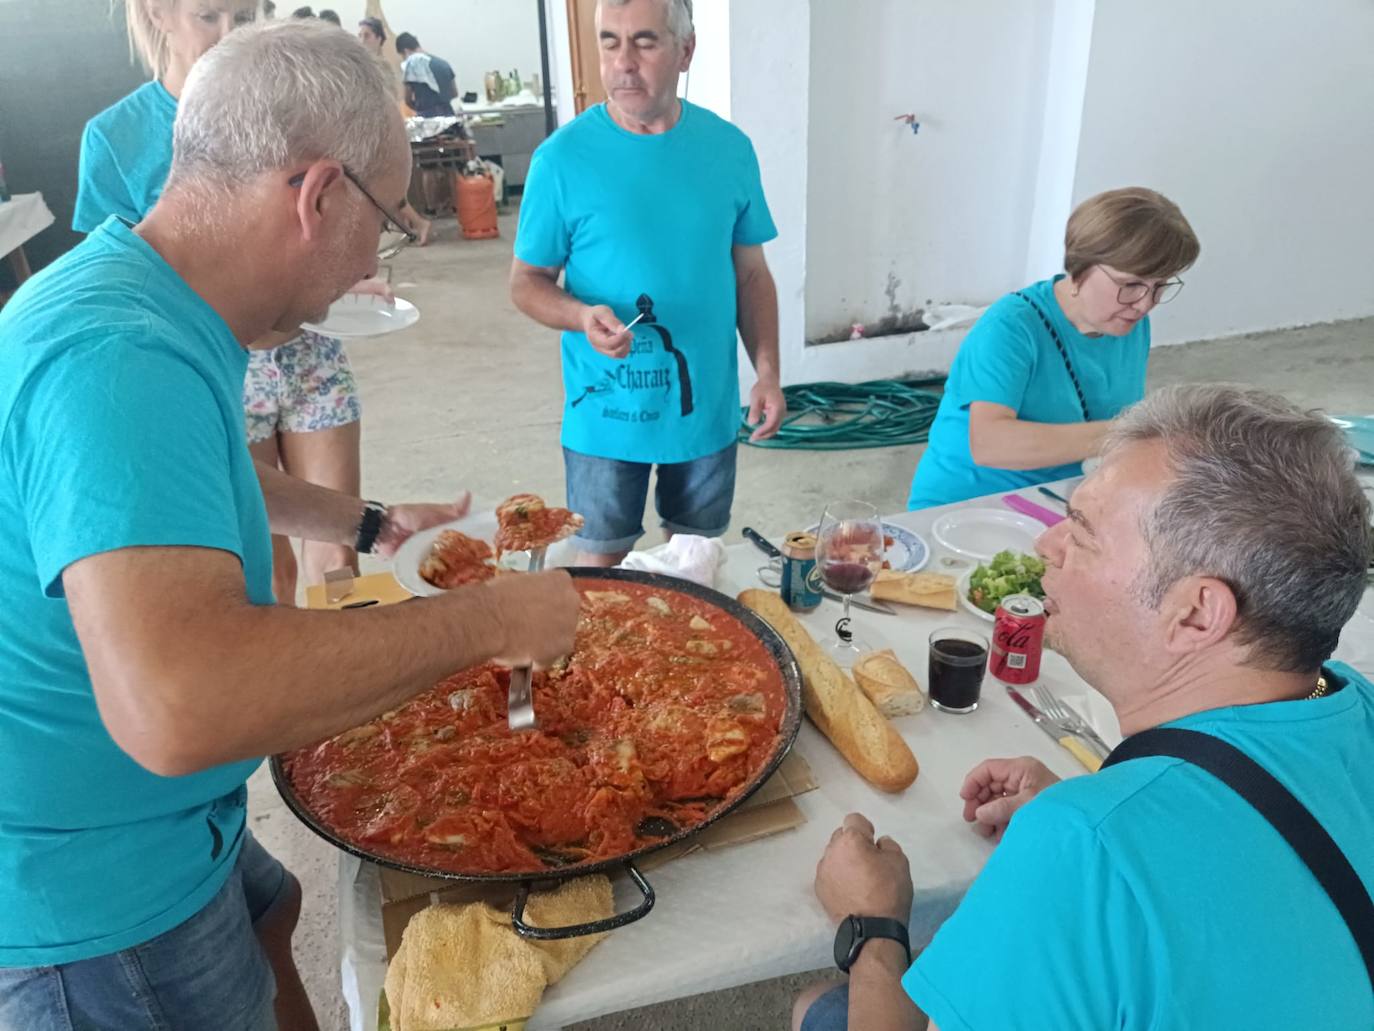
447,556
365,315
903,549
980,533
981,589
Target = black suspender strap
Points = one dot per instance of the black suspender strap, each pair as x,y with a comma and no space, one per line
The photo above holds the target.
1275,803
1063,353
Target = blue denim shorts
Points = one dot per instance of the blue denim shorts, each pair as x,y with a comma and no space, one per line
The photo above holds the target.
830,1012
691,497
208,973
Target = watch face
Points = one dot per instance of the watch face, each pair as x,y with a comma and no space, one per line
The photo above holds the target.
846,936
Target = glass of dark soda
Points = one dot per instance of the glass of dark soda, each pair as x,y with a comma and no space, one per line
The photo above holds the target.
958,659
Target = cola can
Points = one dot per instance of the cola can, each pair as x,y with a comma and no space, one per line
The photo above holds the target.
1018,639
801,577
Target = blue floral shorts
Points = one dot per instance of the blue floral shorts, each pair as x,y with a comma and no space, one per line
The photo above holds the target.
302,386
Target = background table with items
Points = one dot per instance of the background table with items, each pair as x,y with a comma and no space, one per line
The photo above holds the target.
748,912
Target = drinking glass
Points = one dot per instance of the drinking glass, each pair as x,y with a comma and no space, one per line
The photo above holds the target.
849,552
958,660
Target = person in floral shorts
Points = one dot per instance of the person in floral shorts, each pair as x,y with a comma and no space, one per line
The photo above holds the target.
301,405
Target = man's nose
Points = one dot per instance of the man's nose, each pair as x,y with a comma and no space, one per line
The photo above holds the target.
1049,545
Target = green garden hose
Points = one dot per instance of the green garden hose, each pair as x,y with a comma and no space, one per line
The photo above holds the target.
851,416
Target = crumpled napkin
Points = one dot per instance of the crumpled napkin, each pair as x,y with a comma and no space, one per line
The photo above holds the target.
686,555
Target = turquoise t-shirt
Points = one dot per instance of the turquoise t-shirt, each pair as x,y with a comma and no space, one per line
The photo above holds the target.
126,152
627,216
1009,358
1151,896
121,425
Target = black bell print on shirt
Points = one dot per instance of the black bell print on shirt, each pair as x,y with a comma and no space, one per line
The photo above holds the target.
639,376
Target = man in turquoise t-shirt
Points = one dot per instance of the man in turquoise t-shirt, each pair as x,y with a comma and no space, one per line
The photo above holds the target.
1151,895
652,209
144,669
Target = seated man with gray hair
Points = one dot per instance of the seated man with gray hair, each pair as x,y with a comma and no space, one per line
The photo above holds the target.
1217,872
144,669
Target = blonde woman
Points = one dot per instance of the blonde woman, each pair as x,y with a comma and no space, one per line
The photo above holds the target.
1041,374
300,398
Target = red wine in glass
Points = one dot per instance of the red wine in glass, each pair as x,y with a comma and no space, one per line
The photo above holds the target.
849,551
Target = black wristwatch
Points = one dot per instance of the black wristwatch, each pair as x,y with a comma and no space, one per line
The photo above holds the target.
369,526
855,931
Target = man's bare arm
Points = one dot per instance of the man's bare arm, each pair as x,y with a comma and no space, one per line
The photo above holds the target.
188,674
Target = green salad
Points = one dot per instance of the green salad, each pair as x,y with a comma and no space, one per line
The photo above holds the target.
1010,572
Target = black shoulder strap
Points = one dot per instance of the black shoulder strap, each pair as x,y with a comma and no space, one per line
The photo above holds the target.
1276,804
1063,353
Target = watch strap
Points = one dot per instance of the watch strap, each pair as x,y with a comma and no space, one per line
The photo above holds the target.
864,929
370,525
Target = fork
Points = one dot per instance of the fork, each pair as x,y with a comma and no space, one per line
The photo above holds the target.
520,698
1060,713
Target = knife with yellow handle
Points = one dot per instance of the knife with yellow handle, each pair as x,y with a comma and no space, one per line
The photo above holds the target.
1069,742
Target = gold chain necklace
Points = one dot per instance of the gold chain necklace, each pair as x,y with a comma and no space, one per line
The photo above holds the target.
1319,690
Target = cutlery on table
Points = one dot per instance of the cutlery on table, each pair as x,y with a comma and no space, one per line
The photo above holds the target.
1066,739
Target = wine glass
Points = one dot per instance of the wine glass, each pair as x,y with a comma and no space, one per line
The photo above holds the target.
849,552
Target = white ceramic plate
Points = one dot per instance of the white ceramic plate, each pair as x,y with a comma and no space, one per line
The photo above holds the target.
980,533
365,315
909,551
963,588
405,566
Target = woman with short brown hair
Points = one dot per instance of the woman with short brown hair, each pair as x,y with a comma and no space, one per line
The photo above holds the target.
1045,369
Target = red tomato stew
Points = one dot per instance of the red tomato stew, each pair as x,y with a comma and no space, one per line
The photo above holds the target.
667,708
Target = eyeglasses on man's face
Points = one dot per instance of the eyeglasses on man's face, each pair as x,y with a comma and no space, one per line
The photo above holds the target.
391,224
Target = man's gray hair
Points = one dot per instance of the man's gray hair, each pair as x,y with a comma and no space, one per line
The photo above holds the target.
272,94
679,16
1265,499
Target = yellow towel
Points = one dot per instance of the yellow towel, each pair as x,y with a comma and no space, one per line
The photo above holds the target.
463,966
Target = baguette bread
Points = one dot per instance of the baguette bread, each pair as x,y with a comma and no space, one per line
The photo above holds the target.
836,705
888,684
930,590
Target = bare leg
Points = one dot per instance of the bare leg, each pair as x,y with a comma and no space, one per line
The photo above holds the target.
283,558
416,223
274,929
592,558
331,458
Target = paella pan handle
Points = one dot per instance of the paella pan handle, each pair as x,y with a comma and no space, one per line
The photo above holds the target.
578,930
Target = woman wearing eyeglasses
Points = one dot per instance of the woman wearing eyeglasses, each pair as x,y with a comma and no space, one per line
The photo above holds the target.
300,399
1045,369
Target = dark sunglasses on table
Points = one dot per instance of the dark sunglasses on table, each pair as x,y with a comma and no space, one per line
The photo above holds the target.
390,223
1132,290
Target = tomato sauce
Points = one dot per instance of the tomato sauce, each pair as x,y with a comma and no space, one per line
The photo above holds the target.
666,709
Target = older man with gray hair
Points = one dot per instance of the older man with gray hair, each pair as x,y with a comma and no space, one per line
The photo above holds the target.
1217,872
143,666
653,210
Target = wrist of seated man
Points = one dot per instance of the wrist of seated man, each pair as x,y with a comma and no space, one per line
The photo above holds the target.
879,955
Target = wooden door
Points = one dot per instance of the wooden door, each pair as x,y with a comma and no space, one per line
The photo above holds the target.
586,61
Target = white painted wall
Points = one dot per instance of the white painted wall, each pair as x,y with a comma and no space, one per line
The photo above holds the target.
895,220
560,59
1258,120
475,36
707,82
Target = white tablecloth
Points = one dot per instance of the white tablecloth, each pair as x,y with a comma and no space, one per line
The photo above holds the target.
22,218
747,912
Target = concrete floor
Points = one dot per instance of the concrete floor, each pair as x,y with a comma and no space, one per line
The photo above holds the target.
471,398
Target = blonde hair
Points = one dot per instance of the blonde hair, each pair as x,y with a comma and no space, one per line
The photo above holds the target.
1134,230
147,42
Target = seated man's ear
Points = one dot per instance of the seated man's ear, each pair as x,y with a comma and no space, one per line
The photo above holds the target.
319,187
1200,612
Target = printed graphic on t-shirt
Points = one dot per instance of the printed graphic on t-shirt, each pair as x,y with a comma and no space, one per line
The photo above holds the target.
640,388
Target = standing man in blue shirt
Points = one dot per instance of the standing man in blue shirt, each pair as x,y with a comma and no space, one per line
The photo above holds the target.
144,669
650,207
1200,583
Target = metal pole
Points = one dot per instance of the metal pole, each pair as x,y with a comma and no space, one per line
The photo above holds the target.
550,118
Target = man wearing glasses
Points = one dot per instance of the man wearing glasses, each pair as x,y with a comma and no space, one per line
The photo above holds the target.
1045,369
144,669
